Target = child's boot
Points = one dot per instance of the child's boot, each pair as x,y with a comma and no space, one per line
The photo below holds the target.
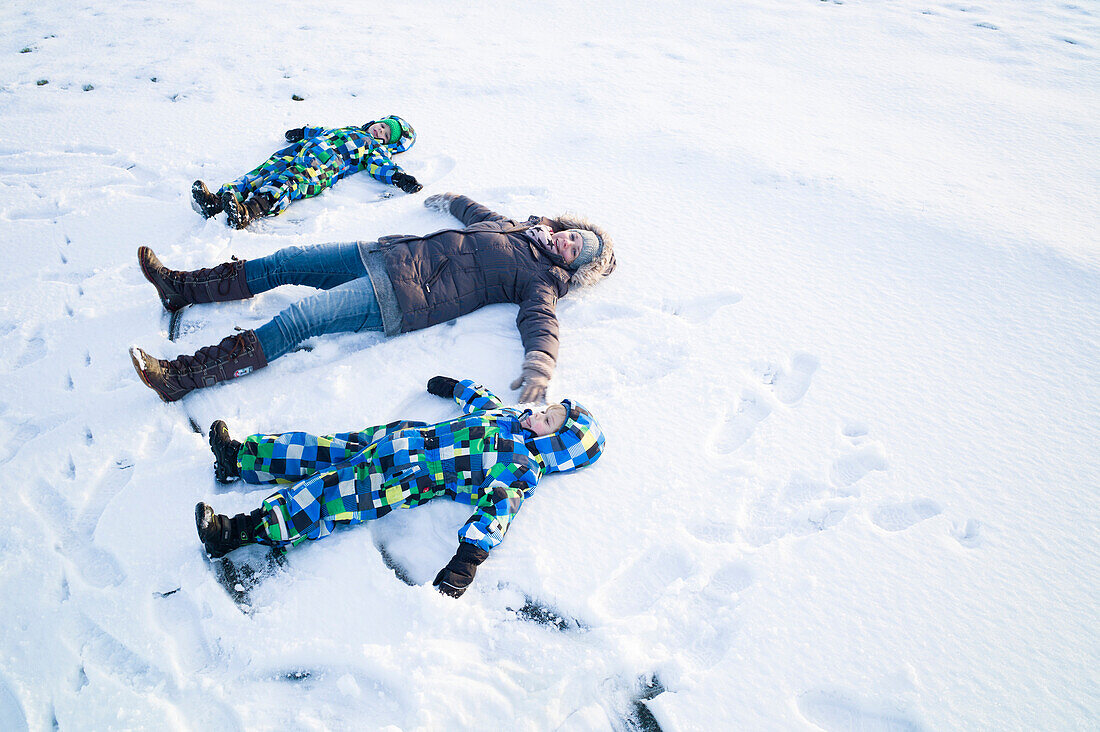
232,357
225,450
177,288
239,215
221,534
203,201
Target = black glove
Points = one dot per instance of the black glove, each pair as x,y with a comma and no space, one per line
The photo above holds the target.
406,182
459,573
294,135
442,386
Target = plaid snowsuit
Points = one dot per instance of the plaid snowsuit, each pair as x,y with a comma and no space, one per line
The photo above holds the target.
484,459
306,168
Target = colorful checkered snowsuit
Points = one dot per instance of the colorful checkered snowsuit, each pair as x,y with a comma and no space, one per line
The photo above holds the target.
306,168
483,459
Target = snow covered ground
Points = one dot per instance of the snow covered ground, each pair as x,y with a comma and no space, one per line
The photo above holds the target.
848,366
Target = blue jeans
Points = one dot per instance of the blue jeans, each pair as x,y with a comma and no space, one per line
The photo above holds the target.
347,305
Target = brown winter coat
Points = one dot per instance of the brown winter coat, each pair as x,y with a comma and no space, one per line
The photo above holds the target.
440,276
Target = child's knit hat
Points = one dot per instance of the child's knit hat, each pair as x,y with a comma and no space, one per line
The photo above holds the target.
395,129
590,248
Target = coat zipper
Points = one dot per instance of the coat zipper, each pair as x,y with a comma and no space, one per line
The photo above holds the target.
436,274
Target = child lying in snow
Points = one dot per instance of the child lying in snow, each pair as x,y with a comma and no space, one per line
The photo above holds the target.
317,159
491,458
395,285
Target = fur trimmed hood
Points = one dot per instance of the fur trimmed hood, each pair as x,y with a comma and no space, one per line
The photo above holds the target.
598,268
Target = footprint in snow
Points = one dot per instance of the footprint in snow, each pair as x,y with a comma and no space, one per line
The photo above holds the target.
901,516
728,581
969,533
178,617
841,712
789,383
637,589
713,531
740,422
848,469
516,194
803,506
699,309
11,711
860,457
48,212
32,350
23,433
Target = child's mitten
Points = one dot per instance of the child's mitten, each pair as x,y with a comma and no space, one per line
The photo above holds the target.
294,135
440,202
535,377
459,573
442,386
405,182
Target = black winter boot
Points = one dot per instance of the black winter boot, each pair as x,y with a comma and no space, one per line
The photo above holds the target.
220,534
178,289
234,356
203,201
239,215
225,450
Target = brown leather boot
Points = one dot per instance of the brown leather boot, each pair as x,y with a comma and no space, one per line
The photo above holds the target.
233,357
178,289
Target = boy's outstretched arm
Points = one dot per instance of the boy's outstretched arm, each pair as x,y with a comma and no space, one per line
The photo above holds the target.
501,497
470,396
297,134
384,170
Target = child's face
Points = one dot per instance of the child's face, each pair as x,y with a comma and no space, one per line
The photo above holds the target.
380,131
546,422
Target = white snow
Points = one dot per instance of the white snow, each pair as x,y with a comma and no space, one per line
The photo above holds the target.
848,366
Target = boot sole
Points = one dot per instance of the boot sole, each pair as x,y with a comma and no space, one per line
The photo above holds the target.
233,214
200,522
139,367
207,212
220,473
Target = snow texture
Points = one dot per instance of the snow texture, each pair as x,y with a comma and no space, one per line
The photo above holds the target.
848,366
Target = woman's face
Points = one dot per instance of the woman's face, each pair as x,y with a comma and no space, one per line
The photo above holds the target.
567,245
546,422
380,131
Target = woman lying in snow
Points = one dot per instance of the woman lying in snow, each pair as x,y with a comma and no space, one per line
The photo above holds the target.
317,159
491,458
397,284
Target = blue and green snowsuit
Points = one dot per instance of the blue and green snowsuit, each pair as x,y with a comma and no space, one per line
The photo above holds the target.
484,459
306,168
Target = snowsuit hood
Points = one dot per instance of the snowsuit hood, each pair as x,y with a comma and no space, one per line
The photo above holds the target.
579,442
403,143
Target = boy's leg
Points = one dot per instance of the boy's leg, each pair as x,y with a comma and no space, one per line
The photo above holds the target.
291,456
311,508
323,266
294,182
347,308
242,188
